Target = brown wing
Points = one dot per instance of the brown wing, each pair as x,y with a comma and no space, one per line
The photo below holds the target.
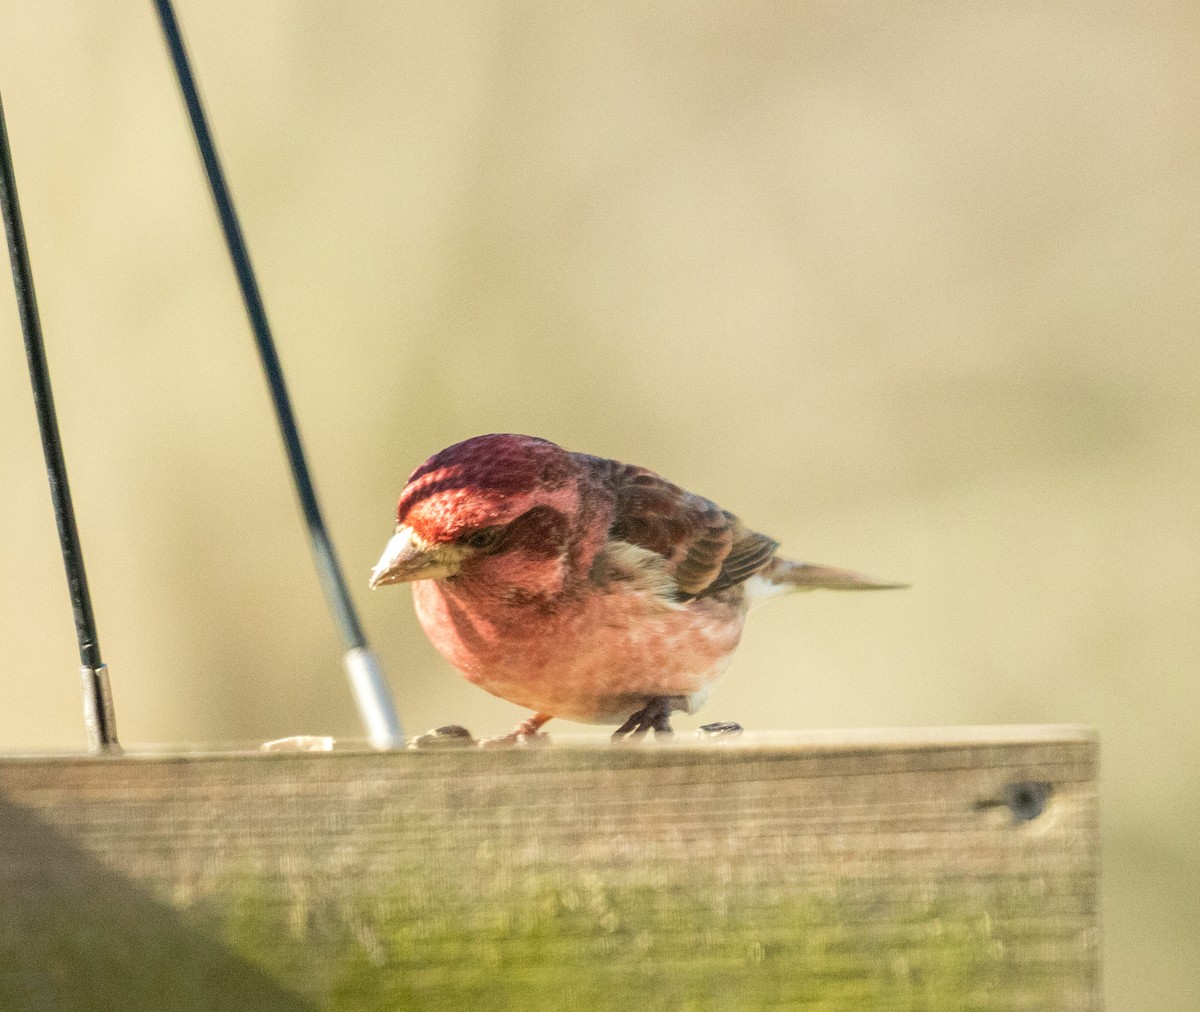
707,549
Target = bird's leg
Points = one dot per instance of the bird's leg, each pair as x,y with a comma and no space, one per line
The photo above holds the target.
654,716
523,732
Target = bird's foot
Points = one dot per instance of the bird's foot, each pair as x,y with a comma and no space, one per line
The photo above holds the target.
654,716
525,733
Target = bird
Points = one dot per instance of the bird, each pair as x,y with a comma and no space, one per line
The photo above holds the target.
581,587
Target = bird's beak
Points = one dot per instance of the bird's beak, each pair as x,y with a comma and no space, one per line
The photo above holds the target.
409,557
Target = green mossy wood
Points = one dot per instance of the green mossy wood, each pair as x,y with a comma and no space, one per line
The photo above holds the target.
945,869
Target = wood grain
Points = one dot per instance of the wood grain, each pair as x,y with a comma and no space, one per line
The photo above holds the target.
936,869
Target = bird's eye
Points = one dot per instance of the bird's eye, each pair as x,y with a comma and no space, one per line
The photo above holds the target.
485,537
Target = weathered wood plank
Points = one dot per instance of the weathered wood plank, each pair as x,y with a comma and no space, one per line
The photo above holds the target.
849,870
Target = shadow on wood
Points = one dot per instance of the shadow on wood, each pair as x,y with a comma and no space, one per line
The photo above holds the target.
76,935
939,869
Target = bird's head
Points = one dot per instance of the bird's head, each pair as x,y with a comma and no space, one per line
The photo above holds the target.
502,506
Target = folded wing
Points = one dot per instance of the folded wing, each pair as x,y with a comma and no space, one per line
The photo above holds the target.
704,548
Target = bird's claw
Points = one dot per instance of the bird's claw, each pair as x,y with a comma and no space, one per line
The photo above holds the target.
516,738
654,716
526,733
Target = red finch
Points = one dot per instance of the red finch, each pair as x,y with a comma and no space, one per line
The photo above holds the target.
581,587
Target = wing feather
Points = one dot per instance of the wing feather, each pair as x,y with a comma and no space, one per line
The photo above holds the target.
705,549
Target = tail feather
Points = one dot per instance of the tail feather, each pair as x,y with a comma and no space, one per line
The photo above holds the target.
806,576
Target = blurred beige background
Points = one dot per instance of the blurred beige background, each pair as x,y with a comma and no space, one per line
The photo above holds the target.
912,289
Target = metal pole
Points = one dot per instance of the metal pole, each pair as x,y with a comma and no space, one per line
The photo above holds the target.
366,677
98,711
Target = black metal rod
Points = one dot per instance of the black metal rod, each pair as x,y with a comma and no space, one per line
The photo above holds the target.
98,708
383,725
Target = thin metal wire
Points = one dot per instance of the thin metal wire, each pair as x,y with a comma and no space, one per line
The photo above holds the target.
97,697
369,685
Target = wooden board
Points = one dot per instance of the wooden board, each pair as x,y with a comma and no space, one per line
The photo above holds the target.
937,869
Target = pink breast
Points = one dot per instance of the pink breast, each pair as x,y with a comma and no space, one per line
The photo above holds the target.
594,658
